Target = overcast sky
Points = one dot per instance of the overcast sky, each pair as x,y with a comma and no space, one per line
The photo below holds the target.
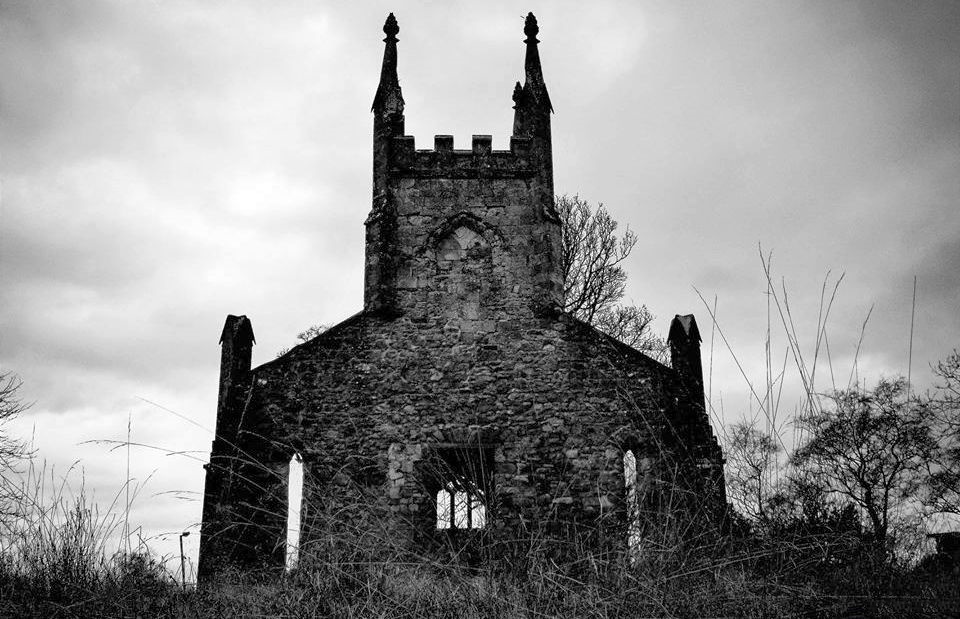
167,163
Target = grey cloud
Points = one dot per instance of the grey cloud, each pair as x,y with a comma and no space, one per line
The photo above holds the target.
166,164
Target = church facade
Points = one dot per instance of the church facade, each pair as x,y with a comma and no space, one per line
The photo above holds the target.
461,398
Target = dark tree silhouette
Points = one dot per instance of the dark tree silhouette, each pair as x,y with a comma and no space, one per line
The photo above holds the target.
945,406
751,458
871,446
306,335
12,450
591,260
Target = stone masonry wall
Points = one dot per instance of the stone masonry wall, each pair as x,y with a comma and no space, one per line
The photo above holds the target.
495,195
366,403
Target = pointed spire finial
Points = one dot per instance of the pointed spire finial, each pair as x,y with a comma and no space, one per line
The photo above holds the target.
389,97
533,82
390,27
530,28
517,93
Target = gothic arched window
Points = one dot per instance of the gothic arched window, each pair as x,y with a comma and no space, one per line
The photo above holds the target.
294,505
631,499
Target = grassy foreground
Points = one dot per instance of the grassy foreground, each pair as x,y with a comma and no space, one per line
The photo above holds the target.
54,563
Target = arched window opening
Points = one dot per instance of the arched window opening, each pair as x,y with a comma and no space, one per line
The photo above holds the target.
294,506
631,499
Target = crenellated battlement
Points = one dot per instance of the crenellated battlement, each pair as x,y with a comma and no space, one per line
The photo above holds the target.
444,161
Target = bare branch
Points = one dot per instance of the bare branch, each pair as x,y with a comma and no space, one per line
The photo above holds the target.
591,255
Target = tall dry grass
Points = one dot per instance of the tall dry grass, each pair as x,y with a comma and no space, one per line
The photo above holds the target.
61,556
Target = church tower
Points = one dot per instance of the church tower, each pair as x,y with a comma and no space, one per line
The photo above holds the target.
469,234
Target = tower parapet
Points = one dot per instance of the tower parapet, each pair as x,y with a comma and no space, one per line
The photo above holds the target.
480,161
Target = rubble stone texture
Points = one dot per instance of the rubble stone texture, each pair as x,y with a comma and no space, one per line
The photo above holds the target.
460,366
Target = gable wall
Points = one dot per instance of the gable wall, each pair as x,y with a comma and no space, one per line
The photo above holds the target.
366,404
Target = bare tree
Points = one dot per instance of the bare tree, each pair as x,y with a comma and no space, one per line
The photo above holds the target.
306,335
751,458
591,260
11,405
871,446
944,404
12,450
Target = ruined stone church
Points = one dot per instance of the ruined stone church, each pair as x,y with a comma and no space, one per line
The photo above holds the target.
461,403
